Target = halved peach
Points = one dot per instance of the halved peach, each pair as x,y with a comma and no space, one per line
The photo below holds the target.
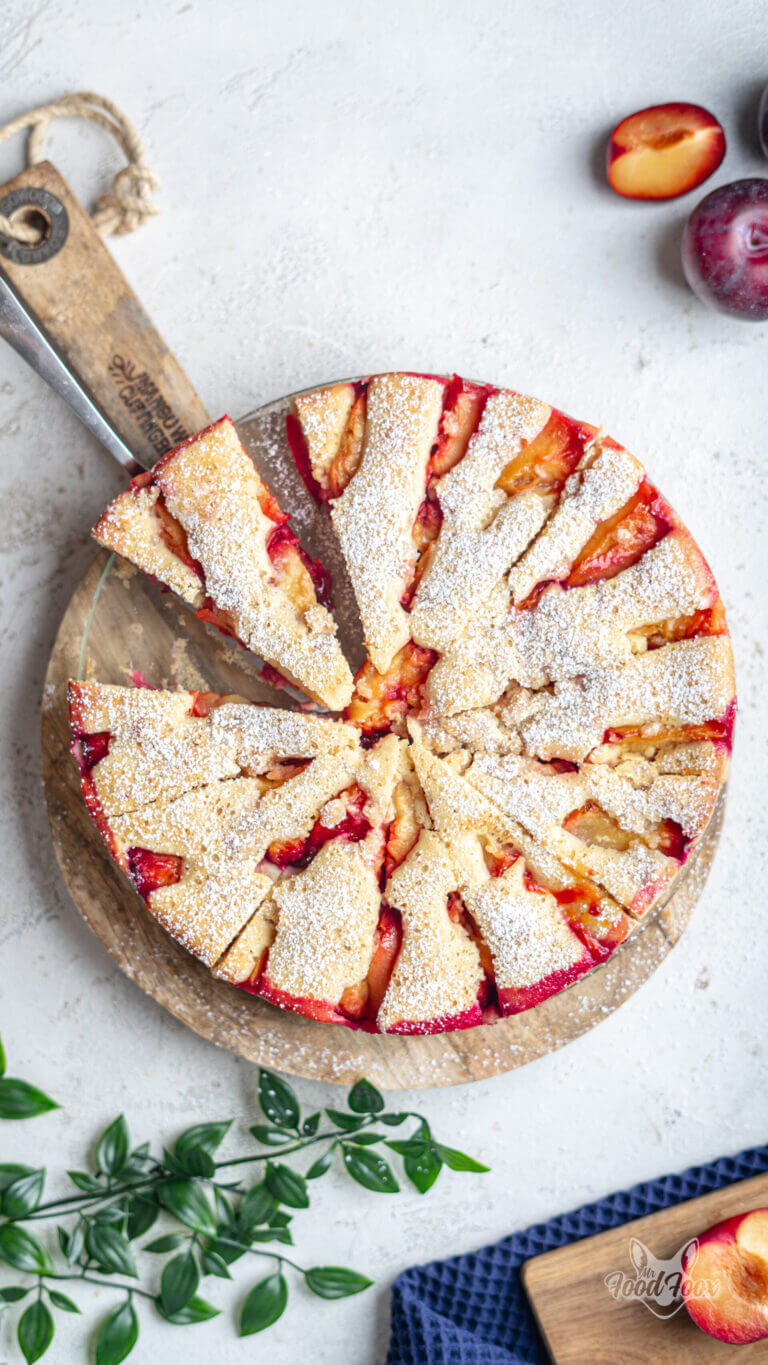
664,151
725,1279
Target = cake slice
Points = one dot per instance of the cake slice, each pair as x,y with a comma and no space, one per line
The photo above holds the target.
368,448
135,745
508,925
330,952
203,523
199,796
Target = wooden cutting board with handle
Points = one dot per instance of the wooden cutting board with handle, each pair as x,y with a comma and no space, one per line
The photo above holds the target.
119,627
583,1324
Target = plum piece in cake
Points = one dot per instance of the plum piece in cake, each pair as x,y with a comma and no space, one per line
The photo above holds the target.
332,947
191,790
136,744
575,631
203,523
368,448
436,982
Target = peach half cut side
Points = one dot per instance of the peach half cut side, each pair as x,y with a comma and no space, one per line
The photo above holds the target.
725,1279
664,151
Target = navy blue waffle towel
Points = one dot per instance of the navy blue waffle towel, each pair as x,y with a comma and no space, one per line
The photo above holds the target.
472,1310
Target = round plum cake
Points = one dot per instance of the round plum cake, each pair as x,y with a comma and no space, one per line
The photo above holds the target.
515,776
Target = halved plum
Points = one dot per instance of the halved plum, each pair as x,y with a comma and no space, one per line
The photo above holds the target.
149,870
381,700
718,731
462,409
174,536
426,529
91,749
346,461
664,151
291,563
363,1002
544,464
352,828
623,539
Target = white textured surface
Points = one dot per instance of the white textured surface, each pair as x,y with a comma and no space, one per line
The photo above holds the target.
349,189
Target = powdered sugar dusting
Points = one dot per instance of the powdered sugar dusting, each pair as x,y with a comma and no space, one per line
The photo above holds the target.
511,688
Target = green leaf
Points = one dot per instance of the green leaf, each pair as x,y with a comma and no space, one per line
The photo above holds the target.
112,1147
334,1282
310,1126
229,1253
76,1244
197,1310
23,1195
364,1098
22,1250
280,1219
423,1168
10,1171
169,1160
20,1100
12,1294
198,1162
370,1169
268,1136
179,1282
213,1264
85,1182
413,1146
278,1100
169,1242
2,1058
287,1186
117,1334
257,1207
264,1305
110,1249
365,1139
321,1165
346,1122
223,1208
459,1161
35,1331
195,1148
188,1202
205,1136
113,1214
393,1120
142,1213
270,1235
62,1301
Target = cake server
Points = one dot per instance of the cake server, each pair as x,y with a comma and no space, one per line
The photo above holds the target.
23,332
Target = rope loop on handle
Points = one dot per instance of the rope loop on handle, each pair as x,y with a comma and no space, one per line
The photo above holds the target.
131,199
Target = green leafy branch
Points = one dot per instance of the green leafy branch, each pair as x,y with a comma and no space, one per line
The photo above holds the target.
220,1218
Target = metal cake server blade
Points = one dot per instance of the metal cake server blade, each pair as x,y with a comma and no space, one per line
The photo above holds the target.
23,332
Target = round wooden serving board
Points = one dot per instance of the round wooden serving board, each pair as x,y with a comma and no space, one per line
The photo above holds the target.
119,628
